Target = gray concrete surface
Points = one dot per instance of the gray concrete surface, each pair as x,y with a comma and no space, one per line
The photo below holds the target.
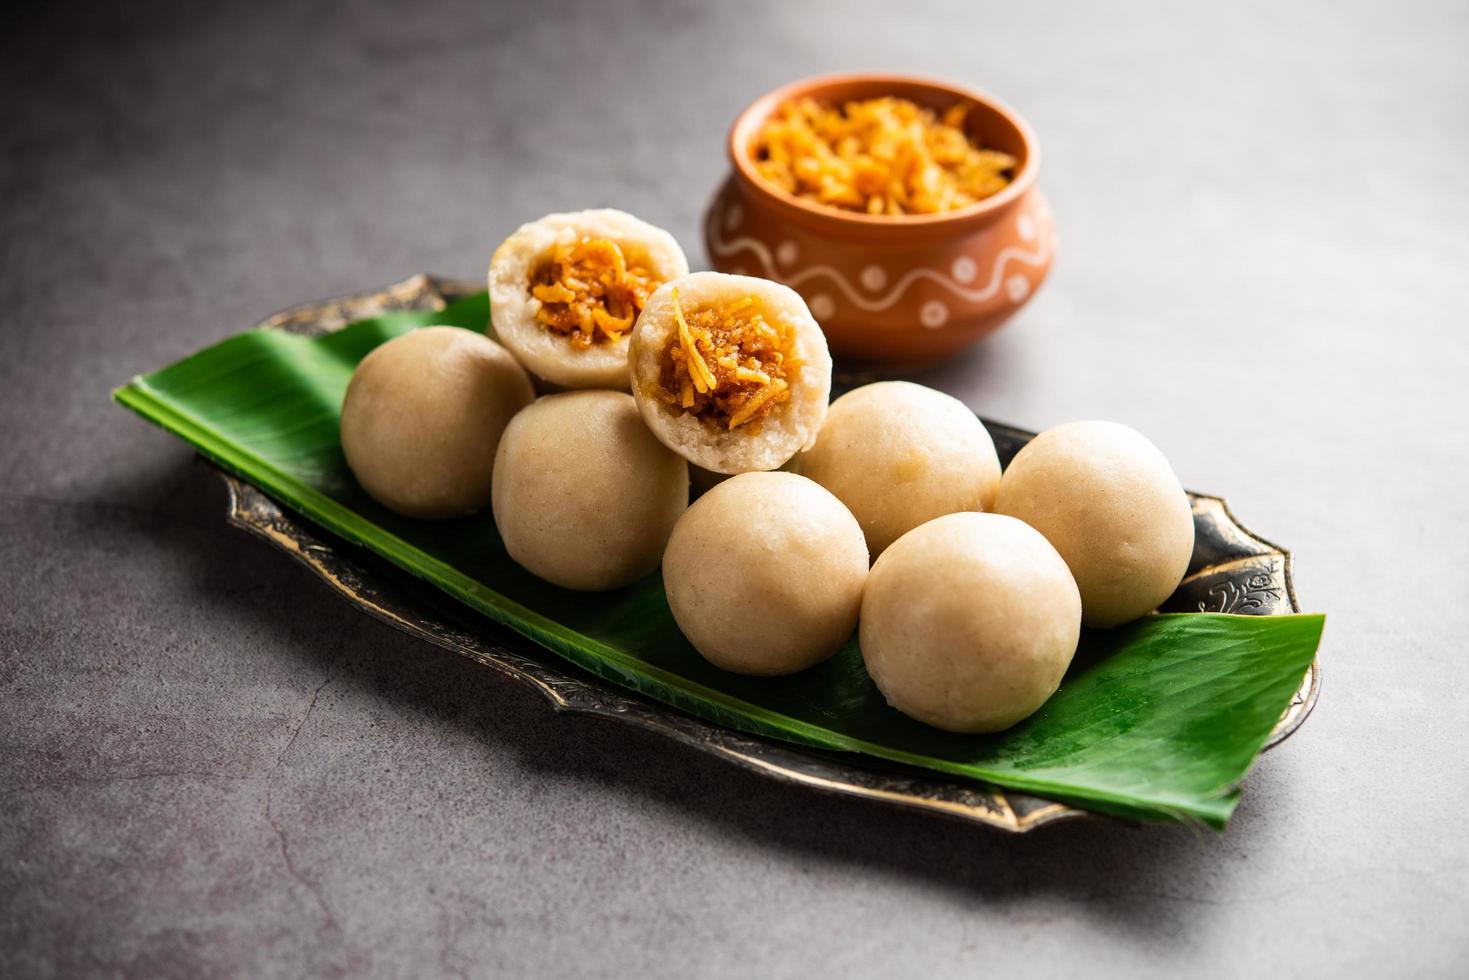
212,767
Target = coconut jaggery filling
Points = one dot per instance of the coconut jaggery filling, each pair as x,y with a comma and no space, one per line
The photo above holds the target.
590,292
885,156
728,364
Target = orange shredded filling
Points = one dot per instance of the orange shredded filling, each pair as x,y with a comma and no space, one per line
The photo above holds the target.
590,292
885,156
728,365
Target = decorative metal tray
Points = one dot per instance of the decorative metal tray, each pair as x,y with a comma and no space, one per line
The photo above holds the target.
1233,570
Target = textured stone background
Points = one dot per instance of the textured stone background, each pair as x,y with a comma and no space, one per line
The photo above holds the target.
210,766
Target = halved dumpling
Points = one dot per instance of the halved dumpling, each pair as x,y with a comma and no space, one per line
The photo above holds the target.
730,372
566,290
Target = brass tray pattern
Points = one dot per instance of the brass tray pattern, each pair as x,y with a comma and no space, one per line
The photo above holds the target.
1233,570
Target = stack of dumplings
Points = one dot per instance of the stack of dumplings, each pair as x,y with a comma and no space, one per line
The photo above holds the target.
972,611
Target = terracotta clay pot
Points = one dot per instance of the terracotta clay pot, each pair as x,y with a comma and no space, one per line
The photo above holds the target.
902,289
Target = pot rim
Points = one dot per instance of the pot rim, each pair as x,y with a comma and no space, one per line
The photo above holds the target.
853,222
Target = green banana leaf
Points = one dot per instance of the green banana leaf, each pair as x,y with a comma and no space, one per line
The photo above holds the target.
1158,720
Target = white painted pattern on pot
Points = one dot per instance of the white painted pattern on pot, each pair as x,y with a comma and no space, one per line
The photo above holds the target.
933,314
963,268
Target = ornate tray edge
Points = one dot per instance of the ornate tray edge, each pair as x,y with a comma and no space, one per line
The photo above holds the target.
1309,692
254,512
